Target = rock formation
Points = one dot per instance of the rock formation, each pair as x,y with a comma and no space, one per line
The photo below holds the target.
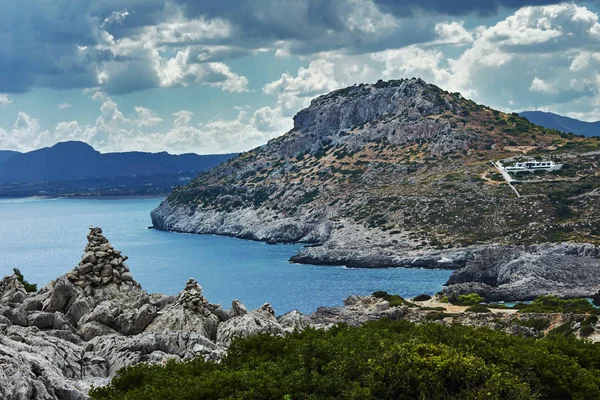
80,329
516,273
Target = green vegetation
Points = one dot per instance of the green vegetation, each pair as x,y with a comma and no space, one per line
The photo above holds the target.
379,360
29,287
596,299
393,299
539,324
553,304
466,299
587,325
422,297
478,308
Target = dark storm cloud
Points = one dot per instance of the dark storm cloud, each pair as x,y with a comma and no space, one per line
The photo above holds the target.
52,43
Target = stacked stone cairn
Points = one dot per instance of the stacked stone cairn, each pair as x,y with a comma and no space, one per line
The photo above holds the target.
101,265
191,297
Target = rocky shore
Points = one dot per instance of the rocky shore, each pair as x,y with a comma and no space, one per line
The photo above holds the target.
81,328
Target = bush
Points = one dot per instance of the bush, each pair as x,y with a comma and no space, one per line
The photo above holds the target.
596,298
539,324
587,326
393,299
422,297
478,308
381,359
467,299
29,287
553,304
433,308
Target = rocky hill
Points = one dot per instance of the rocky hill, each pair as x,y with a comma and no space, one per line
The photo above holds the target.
81,328
395,174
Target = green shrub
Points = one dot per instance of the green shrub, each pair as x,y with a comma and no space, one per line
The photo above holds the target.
478,308
393,299
433,309
553,304
467,299
539,324
596,299
29,287
381,359
422,297
437,316
587,326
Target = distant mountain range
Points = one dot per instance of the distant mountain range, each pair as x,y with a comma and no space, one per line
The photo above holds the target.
563,124
79,167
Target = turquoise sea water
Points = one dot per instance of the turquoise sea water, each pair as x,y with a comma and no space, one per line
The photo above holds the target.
45,238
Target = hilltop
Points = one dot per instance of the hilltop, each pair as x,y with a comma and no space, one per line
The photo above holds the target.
395,173
76,167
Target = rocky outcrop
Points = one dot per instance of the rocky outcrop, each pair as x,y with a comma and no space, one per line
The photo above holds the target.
512,273
391,174
78,331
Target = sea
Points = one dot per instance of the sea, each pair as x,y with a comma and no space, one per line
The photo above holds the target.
45,238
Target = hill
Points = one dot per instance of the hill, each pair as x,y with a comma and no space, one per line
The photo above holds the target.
563,124
76,166
5,155
395,174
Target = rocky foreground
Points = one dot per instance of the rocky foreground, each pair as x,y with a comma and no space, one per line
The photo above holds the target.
81,328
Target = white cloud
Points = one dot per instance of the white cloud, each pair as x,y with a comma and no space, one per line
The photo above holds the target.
4,99
63,106
453,33
26,134
538,85
116,17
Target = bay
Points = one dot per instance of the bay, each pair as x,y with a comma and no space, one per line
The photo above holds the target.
45,238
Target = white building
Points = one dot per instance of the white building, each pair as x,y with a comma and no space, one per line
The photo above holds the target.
532,166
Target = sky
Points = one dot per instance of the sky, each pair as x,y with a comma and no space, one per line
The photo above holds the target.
220,76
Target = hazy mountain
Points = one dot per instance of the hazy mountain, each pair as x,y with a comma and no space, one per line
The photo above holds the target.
563,124
77,160
5,155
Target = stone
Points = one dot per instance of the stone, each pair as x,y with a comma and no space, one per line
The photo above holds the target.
88,267
62,296
41,320
32,304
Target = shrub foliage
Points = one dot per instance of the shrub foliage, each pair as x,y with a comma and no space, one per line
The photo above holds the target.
379,360
29,287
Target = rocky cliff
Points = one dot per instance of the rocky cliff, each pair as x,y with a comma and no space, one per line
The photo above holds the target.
81,328
395,174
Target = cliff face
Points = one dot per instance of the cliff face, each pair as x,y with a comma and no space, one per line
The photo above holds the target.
384,173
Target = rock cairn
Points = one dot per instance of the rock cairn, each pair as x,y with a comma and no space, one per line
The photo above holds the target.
191,297
101,265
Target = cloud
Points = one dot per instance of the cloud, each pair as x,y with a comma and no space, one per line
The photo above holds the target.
143,131
459,7
453,33
4,99
63,106
538,85
26,134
